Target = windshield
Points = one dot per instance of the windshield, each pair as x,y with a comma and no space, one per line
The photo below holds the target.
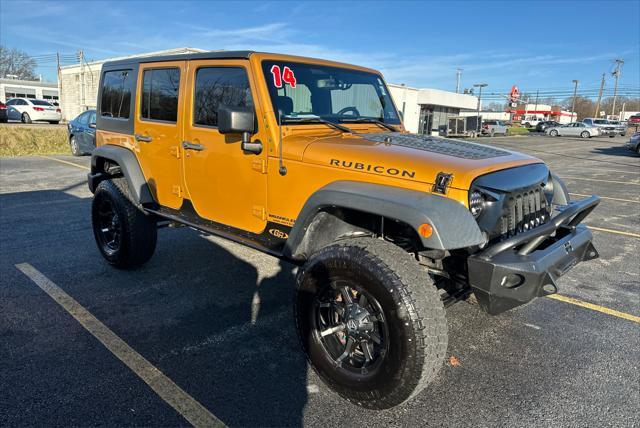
40,103
299,90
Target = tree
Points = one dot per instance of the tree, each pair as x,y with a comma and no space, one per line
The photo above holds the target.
494,106
584,106
16,62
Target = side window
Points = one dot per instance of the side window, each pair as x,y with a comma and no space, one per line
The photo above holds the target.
160,88
219,85
116,94
84,118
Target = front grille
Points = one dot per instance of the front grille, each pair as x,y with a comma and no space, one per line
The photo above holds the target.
523,211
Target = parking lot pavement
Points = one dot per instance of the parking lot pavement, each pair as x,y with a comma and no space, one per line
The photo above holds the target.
216,319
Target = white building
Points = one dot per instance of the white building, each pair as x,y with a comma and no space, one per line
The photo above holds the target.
14,88
425,110
79,82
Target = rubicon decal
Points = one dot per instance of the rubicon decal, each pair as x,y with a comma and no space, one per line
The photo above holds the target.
377,169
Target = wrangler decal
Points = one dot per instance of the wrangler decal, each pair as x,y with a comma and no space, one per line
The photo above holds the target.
379,169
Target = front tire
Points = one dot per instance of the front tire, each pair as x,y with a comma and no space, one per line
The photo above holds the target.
370,321
25,118
553,133
125,235
585,134
75,148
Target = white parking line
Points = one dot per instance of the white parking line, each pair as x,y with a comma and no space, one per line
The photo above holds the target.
172,394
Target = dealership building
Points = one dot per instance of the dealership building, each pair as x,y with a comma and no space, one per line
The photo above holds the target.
426,110
14,88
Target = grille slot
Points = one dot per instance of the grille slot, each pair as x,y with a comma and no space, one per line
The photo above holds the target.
523,211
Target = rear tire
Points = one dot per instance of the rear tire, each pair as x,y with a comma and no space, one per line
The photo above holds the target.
26,118
125,235
398,332
553,133
585,134
75,148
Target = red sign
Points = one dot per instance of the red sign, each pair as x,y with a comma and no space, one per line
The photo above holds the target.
514,94
287,76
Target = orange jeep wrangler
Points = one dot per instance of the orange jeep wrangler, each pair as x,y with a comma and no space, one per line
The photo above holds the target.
308,160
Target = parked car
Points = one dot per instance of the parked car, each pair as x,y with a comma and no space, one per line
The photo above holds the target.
3,112
634,120
634,143
577,129
194,142
606,128
542,126
492,127
28,110
620,127
82,133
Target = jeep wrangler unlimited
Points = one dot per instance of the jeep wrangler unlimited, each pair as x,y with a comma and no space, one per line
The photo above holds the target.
308,160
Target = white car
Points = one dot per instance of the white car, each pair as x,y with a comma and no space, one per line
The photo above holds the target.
576,129
28,110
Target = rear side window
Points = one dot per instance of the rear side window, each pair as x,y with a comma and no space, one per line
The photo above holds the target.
116,94
160,88
228,86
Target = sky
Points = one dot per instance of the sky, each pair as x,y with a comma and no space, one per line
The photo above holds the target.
534,45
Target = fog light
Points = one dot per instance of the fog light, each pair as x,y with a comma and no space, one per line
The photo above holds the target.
512,280
476,203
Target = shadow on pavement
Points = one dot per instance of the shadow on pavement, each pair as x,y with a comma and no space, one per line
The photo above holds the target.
219,326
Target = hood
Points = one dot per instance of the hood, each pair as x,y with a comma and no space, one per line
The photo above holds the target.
408,156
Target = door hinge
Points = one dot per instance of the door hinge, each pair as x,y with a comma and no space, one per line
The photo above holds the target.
175,151
177,190
259,165
260,212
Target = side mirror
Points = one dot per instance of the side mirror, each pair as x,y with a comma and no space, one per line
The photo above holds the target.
239,120
92,125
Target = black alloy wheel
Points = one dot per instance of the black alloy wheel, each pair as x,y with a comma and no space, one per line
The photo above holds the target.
350,325
109,227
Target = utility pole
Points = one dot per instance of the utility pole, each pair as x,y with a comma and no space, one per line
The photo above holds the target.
573,104
59,80
479,85
616,74
622,111
597,112
535,109
458,75
81,59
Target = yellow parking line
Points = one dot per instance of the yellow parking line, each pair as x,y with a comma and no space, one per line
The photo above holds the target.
617,232
66,162
176,397
606,197
602,181
594,307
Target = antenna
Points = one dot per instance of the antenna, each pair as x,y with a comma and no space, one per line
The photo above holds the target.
282,169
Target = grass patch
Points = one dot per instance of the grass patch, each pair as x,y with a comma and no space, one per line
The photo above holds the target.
33,140
518,131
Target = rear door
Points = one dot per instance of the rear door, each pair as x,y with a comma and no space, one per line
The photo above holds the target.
225,184
158,128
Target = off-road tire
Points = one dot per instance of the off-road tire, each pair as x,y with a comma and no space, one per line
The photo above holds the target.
75,148
138,230
412,308
25,118
553,133
585,134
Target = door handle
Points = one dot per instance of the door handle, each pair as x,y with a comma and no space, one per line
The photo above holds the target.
190,146
143,138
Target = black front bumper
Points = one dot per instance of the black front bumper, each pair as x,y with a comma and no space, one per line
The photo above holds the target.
515,271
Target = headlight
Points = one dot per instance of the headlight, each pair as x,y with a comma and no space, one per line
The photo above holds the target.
476,203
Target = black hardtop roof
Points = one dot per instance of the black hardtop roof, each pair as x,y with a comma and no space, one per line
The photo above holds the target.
180,57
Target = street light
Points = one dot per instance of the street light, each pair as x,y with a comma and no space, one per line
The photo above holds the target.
573,105
479,85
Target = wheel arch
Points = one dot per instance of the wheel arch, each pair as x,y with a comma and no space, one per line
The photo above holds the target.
105,157
322,219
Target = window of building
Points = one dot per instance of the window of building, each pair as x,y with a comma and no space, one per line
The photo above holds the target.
116,94
160,88
219,85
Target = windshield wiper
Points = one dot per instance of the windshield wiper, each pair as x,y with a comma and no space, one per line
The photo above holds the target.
315,120
369,120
